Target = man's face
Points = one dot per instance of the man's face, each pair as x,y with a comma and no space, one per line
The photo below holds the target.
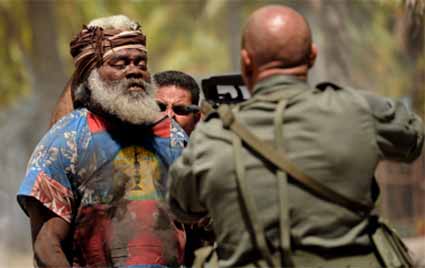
126,63
121,89
169,96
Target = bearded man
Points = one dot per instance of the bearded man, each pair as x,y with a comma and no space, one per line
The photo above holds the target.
95,183
177,95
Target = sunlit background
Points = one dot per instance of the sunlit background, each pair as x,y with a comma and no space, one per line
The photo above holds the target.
372,45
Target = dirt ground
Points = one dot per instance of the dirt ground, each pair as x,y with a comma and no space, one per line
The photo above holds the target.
15,259
417,246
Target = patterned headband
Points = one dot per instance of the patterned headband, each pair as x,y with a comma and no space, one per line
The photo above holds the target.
94,45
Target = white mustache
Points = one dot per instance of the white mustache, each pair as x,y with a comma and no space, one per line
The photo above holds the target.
125,83
115,98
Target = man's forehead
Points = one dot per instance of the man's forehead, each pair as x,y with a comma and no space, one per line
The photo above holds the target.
172,92
128,52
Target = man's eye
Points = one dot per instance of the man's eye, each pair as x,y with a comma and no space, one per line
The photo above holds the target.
162,106
118,66
142,65
181,109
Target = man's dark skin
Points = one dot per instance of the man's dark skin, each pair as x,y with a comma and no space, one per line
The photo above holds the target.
289,49
50,231
64,104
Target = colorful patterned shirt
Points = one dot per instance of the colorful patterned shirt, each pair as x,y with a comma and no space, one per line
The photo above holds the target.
109,183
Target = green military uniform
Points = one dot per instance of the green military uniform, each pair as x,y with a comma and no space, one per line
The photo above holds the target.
334,135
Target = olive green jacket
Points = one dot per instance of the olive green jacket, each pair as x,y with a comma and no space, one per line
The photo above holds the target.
336,136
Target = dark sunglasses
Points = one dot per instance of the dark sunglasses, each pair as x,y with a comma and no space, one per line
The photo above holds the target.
179,109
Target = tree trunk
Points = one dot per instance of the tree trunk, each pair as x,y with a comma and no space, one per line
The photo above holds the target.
234,10
46,69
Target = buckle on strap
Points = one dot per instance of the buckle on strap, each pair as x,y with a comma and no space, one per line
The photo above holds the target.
226,115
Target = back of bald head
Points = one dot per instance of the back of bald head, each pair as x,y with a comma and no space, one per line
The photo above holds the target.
277,34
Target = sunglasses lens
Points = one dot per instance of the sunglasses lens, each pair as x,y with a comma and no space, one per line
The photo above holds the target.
181,110
162,106
178,109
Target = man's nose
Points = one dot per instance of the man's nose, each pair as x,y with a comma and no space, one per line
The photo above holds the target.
170,112
134,72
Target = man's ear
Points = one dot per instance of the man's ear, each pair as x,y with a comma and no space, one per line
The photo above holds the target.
246,62
246,68
313,55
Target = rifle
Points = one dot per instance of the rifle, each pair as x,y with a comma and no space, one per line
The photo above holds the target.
222,89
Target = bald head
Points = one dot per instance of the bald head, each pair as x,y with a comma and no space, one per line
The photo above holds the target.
277,34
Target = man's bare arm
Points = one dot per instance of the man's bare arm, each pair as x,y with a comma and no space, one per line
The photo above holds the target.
63,106
48,232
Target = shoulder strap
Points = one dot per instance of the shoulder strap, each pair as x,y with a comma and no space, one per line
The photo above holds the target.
254,222
207,109
280,161
282,186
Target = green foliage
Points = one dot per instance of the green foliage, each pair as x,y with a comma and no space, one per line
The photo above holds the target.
194,36
388,65
377,48
179,35
15,36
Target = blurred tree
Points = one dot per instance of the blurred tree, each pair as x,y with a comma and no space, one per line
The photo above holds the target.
43,62
234,17
30,31
12,84
356,39
412,34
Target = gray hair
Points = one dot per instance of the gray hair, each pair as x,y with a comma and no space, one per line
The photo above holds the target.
120,22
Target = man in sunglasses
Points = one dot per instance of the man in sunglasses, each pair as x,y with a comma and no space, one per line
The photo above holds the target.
178,96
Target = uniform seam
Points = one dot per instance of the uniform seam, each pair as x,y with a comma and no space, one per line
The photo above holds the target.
371,118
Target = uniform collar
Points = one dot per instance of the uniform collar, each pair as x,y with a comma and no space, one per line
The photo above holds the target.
278,81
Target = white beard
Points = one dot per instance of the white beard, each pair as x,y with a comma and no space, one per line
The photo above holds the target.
132,107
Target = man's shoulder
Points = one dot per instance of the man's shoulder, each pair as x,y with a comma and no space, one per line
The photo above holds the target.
332,87
73,126
81,120
367,101
332,95
73,119
211,124
211,128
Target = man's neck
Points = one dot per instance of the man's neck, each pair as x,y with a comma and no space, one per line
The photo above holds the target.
301,72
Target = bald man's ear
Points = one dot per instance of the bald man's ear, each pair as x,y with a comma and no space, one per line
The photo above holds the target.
313,55
246,62
247,68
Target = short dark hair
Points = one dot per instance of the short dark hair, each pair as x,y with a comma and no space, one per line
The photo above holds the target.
178,79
